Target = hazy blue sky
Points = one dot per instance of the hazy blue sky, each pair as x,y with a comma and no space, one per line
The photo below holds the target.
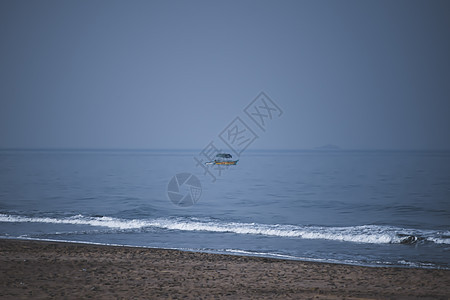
173,74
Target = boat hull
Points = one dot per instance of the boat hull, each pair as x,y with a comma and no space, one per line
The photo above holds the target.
226,162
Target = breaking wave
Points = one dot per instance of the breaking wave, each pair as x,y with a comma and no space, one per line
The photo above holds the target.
371,234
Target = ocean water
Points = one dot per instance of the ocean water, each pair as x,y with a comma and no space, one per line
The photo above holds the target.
373,208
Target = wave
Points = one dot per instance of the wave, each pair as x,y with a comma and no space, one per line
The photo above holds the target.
370,234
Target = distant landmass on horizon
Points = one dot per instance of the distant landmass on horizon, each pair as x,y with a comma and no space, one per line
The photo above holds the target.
328,147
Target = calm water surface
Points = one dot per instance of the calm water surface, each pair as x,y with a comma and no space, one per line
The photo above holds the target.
374,208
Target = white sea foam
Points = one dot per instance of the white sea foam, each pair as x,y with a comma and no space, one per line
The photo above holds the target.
264,254
371,234
78,220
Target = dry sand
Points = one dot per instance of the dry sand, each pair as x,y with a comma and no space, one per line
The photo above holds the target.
37,270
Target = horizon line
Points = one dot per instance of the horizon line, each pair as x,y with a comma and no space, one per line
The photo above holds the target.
315,149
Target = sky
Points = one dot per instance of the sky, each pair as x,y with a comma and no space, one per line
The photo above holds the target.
174,74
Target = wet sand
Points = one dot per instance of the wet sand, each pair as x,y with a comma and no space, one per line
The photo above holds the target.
38,270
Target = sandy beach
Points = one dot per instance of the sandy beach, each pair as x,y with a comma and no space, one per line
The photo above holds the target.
37,270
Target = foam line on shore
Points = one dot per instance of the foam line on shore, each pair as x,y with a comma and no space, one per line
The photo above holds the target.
370,234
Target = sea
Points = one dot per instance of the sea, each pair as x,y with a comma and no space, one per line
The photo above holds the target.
369,208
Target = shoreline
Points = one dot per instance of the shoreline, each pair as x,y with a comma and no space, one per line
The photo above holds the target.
49,269
237,253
